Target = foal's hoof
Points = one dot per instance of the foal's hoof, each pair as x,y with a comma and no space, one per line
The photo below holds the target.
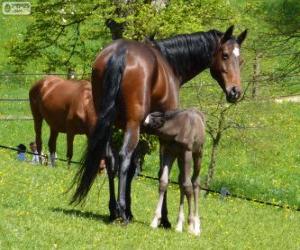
194,227
165,224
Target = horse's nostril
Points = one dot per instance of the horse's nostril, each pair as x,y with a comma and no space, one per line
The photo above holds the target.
233,91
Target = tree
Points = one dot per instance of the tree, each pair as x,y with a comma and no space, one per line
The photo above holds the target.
65,34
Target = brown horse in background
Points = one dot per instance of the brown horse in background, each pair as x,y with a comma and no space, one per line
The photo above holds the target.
67,107
131,79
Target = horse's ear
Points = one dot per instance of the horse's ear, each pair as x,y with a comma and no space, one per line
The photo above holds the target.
228,34
242,37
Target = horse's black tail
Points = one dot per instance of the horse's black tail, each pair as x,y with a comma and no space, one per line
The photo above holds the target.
100,137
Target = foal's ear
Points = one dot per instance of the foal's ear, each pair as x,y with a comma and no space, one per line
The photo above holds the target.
228,34
242,37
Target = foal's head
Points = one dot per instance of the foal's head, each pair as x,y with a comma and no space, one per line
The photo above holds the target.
156,120
225,67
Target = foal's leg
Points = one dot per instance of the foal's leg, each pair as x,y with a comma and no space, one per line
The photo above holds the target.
180,220
52,146
70,140
197,158
131,138
165,167
186,188
164,222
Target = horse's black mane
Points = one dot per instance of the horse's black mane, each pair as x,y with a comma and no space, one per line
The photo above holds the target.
189,53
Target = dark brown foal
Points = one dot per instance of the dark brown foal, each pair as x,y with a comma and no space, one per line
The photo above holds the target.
181,134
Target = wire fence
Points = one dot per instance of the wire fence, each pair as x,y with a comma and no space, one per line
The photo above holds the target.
208,190
23,113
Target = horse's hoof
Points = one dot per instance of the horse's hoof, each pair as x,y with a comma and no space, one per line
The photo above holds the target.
179,228
194,230
129,216
112,217
154,224
165,224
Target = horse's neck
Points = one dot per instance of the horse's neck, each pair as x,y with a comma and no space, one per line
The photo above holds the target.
189,55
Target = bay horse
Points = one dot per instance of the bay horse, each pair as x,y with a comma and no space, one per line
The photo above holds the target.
130,79
181,134
67,107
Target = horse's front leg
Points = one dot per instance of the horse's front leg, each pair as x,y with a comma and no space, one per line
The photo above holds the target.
52,146
131,138
70,140
166,161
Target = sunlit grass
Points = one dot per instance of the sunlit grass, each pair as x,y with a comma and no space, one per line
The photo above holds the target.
34,213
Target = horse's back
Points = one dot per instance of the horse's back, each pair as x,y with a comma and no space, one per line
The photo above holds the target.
61,101
148,82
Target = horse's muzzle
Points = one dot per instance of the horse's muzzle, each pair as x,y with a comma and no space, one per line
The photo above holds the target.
233,94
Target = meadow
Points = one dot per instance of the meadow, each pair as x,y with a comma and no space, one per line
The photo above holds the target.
261,163
35,215
258,158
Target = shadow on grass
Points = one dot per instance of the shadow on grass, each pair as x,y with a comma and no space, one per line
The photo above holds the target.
78,213
92,216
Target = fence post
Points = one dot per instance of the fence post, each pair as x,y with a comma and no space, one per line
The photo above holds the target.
256,74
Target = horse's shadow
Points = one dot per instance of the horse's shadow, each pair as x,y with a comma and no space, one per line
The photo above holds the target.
79,213
90,215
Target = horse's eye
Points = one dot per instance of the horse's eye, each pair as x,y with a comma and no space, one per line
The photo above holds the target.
225,56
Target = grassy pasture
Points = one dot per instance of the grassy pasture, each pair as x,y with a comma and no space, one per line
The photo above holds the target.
35,215
262,163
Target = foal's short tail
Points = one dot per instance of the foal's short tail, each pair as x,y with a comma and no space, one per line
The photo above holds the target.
98,140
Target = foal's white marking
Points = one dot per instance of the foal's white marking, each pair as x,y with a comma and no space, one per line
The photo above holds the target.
147,120
179,226
236,51
194,227
157,216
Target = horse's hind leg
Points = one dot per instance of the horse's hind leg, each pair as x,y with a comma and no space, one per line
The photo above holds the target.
38,121
197,158
52,146
131,138
131,172
111,168
70,140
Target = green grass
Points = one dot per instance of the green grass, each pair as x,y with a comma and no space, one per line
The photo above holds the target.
35,214
262,163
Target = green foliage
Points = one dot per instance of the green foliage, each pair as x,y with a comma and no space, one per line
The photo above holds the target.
67,35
